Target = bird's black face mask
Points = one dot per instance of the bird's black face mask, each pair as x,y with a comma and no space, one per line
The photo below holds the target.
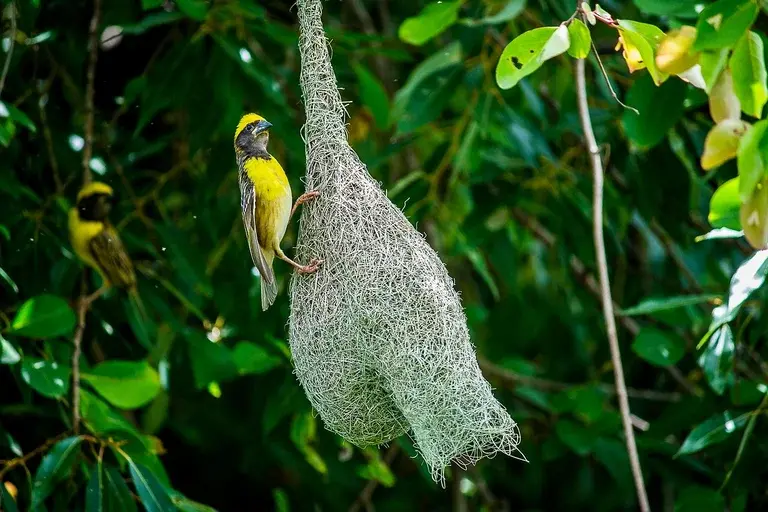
95,207
253,139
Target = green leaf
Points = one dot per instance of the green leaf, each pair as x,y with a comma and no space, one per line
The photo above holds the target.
581,39
99,417
712,64
750,79
510,11
153,495
660,108
378,471
658,347
8,353
125,384
282,503
184,504
747,392
17,116
528,51
699,499
54,468
430,22
195,9
117,495
94,490
44,316
211,362
725,205
714,430
717,359
576,436
46,377
640,43
654,305
4,275
754,216
373,96
723,23
752,159
447,58
428,100
251,358
679,8
7,502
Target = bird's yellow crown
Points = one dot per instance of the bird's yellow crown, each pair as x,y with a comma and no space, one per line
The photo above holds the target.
245,121
94,187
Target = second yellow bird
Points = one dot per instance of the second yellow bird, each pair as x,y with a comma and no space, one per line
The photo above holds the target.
265,198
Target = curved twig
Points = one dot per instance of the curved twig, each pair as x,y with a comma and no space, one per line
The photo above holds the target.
605,288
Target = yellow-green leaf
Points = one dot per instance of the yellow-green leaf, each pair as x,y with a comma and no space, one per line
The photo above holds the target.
754,216
722,143
724,206
528,51
752,158
125,384
640,41
723,102
722,23
581,39
750,79
675,52
430,22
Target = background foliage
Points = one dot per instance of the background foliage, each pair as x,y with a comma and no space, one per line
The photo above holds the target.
200,403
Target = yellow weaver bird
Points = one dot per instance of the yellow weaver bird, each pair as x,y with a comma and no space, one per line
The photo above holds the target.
97,243
265,198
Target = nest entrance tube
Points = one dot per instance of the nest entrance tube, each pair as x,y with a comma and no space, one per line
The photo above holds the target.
378,335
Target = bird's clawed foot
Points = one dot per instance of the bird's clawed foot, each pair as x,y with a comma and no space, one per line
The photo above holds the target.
303,198
311,268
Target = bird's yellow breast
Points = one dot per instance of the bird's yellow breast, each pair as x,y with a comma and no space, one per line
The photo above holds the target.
269,180
81,233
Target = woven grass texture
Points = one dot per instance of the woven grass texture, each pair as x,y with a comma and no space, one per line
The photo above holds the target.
378,335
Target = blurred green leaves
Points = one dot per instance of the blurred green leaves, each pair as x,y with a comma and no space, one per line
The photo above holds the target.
55,467
527,52
723,23
125,384
660,108
430,22
44,316
658,347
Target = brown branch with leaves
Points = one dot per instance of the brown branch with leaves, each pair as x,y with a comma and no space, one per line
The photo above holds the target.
84,301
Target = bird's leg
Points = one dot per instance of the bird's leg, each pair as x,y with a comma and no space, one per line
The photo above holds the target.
95,295
303,269
303,198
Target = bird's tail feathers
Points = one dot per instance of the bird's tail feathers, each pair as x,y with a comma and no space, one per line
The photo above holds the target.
268,281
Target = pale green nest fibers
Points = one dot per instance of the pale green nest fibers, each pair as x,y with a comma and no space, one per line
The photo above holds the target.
378,335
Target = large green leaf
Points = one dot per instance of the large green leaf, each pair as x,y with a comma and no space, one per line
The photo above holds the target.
725,205
660,108
94,490
252,358
528,51
48,378
752,158
153,494
723,23
55,467
659,347
656,304
211,362
750,79
714,430
125,384
430,22
44,316
99,417
717,359
699,499
373,95
581,39
8,353
117,495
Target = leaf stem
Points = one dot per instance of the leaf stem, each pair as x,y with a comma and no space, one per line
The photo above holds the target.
605,289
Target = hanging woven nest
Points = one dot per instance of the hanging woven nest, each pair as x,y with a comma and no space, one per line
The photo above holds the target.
378,335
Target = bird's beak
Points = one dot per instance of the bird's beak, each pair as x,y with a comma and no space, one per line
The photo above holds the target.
262,126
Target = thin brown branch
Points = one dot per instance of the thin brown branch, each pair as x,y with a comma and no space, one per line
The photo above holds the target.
459,502
41,102
364,498
7,66
493,371
607,301
22,461
93,51
77,341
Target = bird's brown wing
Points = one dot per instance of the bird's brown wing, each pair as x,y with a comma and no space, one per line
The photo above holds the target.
250,221
109,253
